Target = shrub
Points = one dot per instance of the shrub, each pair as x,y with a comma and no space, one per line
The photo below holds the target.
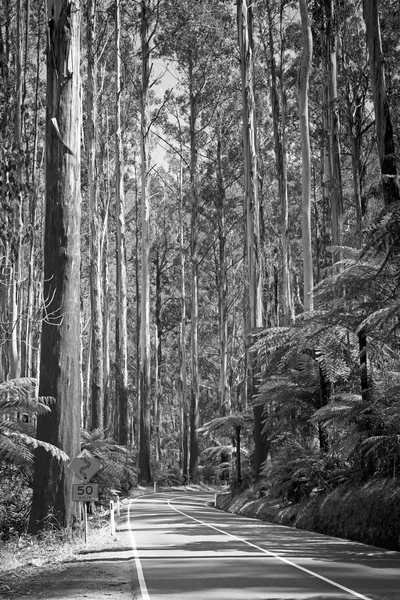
15,501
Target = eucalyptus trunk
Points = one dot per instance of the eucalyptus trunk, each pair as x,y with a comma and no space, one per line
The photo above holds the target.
224,388
60,369
278,106
145,384
253,295
335,182
383,122
96,373
182,336
194,258
304,75
121,304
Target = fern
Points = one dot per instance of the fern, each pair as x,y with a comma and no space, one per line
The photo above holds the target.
17,440
118,462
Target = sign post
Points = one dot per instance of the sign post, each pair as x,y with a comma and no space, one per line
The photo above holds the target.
85,466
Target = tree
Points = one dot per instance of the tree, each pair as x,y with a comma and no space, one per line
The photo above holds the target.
279,107
253,304
334,175
121,305
306,157
383,121
96,325
60,352
145,381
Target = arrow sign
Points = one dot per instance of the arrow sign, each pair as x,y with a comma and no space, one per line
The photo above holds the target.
84,465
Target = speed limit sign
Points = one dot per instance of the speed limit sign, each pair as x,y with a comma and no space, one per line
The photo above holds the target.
85,492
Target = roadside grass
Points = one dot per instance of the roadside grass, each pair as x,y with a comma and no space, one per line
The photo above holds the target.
26,556
51,546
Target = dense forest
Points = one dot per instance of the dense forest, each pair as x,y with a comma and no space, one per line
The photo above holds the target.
199,230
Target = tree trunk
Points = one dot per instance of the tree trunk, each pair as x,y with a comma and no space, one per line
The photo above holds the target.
158,359
253,296
145,384
306,156
278,105
121,306
60,355
32,295
224,389
383,122
182,341
16,287
194,391
96,380
335,183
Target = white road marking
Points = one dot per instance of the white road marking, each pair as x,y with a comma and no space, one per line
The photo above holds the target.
142,581
272,554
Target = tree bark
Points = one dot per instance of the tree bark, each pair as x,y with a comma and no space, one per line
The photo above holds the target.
278,105
306,156
253,296
194,390
121,306
383,122
145,384
182,334
224,389
60,368
96,379
335,183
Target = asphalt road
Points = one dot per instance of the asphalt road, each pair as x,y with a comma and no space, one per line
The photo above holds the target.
187,550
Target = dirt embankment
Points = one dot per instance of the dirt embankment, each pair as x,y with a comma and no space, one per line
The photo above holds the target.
367,513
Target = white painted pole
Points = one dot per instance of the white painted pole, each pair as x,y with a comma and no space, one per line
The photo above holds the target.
155,486
112,520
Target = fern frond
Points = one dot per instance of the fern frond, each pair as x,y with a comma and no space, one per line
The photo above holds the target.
226,425
34,443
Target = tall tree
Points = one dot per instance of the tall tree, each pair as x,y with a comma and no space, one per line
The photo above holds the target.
253,302
145,382
121,300
96,379
182,334
60,353
383,121
279,109
306,155
333,121
194,259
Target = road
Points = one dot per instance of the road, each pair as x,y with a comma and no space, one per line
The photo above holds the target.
185,549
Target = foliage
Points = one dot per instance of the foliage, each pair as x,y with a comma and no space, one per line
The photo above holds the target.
365,512
166,474
119,469
18,397
295,472
15,500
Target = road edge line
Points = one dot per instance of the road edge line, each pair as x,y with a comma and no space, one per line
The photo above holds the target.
142,582
273,554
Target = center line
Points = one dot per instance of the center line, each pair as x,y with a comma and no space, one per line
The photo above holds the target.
273,554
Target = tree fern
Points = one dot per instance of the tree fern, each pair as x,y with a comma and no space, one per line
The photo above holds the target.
17,439
118,462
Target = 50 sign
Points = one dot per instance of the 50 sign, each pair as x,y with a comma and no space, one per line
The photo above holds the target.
85,492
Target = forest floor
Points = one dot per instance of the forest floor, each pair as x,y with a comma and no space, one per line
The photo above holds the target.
59,570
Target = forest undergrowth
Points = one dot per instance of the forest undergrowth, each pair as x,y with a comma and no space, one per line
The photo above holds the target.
362,512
